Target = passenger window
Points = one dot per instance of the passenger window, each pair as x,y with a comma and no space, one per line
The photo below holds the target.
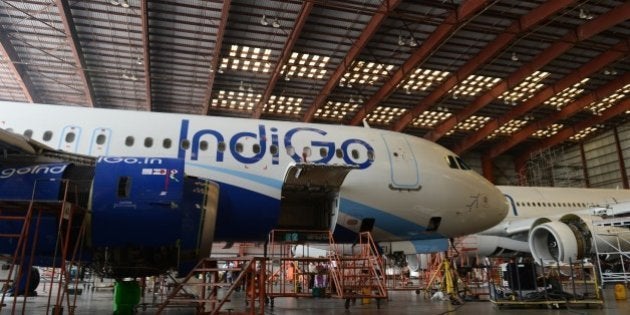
239,147
323,152
256,148
221,146
48,135
28,133
166,143
290,150
370,155
100,139
148,142
185,145
339,153
129,141
70,137
355,154
203,145
273,149
451,161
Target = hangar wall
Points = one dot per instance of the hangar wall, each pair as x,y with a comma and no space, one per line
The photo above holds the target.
595,163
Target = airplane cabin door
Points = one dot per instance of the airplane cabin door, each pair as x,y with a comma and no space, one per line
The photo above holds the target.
403,165
99,144
69,140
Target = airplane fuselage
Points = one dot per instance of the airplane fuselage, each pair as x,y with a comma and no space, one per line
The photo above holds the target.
408,185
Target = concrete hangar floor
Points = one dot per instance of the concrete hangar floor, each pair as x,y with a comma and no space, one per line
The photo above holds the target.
399,302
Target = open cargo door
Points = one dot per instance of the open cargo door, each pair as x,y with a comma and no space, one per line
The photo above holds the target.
310,196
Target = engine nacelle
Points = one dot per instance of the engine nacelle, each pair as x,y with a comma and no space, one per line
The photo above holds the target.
570,238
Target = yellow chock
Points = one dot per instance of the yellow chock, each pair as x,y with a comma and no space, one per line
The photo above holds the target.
620,292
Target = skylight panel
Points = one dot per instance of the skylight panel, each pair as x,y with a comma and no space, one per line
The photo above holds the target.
509,128
525,90
473,85
428,119
422,79
365,73
384,115
473,123
305,66
245,58
598,107
567,95
548,132
285,105
336,110
583,133
236,100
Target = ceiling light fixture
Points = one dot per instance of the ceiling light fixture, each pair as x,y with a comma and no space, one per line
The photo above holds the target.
114,2
263,21
401,41
275,23
514,57
241,87
124,3
585,15
412,42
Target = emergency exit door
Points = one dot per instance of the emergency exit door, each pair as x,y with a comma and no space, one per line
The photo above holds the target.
403,165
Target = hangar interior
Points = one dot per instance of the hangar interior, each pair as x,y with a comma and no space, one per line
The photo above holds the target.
531,93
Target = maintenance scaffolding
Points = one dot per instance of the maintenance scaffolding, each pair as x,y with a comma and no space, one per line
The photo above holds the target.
27,217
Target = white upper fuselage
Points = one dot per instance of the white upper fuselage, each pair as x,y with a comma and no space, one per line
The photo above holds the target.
527,204
402,181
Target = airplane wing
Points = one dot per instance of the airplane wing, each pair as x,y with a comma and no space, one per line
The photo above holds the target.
569,235
16,146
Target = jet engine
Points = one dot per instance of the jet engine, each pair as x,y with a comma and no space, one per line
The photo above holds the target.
570,239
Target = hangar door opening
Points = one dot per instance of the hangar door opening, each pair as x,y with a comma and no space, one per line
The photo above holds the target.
310,196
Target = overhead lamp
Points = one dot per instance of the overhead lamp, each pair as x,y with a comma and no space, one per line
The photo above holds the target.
250,89
241,87
401,41
585,15
412,42
263,21
514,57
114,2
124,3
275,23
139,60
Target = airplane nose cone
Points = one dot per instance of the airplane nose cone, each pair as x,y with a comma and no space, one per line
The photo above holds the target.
497,206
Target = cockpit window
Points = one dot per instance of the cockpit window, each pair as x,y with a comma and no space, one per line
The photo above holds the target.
462,165
451,161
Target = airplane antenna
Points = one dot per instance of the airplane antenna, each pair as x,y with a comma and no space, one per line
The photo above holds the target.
365,123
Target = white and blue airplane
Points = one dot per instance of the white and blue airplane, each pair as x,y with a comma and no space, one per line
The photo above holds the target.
276,174
557,224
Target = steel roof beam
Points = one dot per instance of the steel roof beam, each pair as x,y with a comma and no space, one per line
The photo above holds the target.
17,68
286,53
567,111
521,25
214,63
584,31
73,40
464,12
146,54
368,32
568,132
600,62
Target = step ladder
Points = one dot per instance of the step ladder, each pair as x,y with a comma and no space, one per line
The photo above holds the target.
360,276
18,256
201,287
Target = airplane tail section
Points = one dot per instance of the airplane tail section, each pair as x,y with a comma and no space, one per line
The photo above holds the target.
310,196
